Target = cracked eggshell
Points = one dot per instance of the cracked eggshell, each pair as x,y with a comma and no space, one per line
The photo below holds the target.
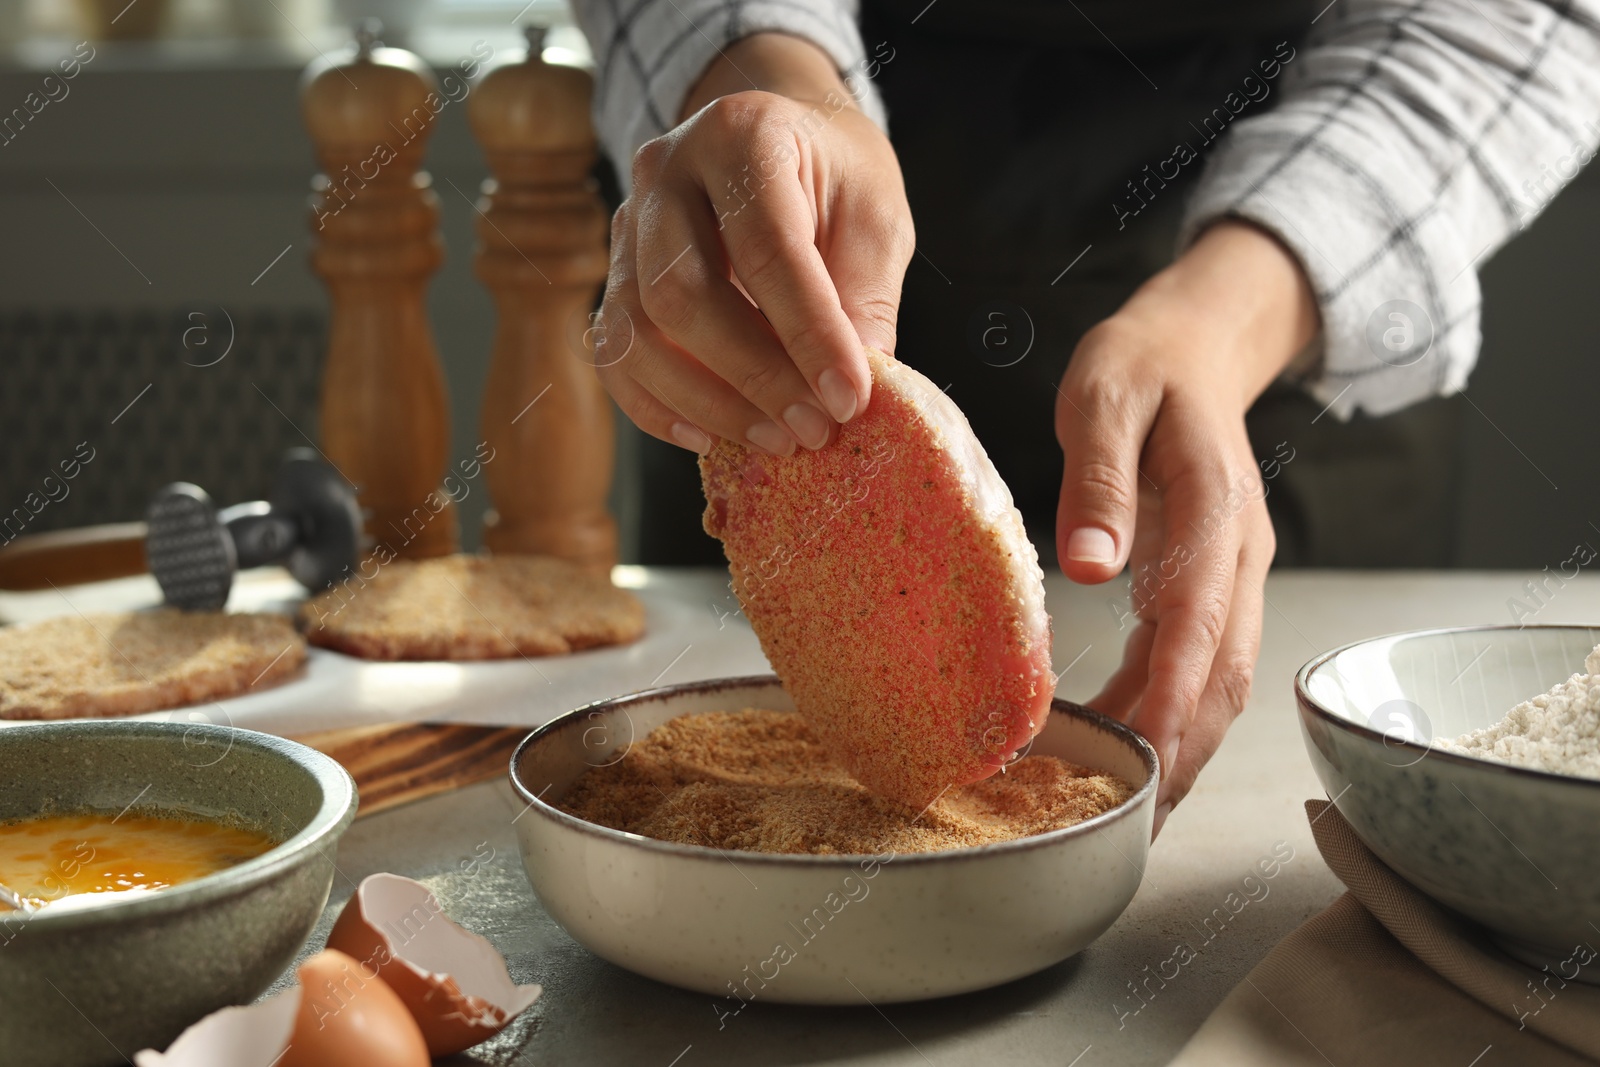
340,1015
454,982
251,1036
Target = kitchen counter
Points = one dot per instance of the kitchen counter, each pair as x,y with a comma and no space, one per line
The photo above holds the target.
1081,1013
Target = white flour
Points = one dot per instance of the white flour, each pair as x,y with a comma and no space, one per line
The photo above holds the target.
1558,731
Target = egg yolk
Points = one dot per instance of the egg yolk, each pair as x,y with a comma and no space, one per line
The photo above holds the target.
53,857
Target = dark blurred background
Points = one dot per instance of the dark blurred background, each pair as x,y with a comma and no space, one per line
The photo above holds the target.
156,217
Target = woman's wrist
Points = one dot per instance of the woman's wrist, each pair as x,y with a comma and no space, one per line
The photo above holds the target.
1237,292
777,63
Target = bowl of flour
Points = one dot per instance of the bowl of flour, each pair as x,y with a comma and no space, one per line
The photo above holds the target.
1468,760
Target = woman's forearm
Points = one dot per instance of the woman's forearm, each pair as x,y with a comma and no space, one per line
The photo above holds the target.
1244,292
771,62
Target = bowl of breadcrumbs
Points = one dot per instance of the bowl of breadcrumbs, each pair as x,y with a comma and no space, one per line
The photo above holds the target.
701,835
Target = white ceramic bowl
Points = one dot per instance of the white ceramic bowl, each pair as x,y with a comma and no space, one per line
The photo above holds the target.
1517,850
824,929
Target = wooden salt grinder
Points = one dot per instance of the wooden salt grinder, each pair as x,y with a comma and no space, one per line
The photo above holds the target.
542,253
375,219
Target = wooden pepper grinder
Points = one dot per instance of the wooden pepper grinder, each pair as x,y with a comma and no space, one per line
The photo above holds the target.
375,220
542,253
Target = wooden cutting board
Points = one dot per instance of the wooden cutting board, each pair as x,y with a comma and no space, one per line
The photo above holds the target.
396,764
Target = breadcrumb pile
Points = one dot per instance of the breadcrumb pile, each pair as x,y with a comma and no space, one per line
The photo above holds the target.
761,781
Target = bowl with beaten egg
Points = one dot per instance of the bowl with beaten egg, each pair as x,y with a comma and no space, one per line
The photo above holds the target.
163,870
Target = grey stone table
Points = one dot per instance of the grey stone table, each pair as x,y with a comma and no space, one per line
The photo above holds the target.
1081,1012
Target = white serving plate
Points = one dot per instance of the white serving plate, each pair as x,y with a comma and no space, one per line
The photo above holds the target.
692,630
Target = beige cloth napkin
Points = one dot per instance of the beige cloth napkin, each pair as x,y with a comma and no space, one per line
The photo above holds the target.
1386,976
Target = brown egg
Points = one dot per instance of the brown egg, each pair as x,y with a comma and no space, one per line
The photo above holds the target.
349,1017
454,983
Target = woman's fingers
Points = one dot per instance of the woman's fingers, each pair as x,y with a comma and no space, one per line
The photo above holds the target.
1136,616
1187,638
1119,697
1102,419
867,246
737,326
1200,551
656,418
789,186
1164,383
685,291
636,359
1228,687
1195,656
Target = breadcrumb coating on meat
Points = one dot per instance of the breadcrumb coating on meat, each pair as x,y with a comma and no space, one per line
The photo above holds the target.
473,608
129,663
893,588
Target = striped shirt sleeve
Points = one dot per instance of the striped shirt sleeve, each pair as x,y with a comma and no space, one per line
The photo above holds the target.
649,54
1410,140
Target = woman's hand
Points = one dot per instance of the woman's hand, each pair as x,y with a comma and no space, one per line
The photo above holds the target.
763,244
1159,473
